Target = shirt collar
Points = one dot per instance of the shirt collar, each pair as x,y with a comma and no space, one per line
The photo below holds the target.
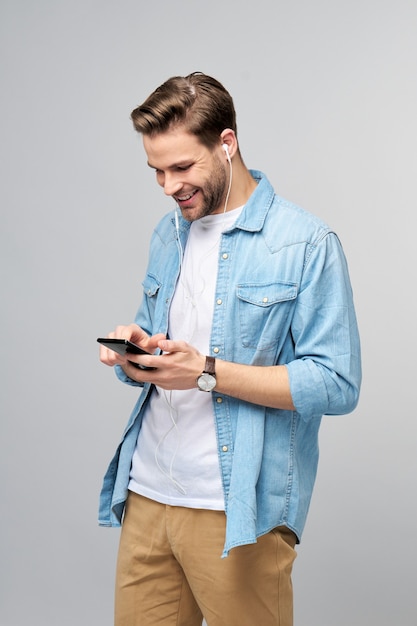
256,208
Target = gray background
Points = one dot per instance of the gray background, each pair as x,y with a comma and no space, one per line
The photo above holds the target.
326,96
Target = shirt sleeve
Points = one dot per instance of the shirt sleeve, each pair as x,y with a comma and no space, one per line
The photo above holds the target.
325,375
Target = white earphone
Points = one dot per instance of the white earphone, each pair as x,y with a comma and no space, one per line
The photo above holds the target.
226,149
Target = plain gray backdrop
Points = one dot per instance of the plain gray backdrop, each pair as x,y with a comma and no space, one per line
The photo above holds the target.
326,96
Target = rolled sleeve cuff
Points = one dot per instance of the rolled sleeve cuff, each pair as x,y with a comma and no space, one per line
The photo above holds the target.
308,390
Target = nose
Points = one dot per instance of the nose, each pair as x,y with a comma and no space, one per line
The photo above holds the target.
171,183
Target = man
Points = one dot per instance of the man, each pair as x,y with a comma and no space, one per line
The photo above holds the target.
248,315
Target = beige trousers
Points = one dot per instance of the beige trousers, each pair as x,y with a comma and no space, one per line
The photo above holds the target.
170,571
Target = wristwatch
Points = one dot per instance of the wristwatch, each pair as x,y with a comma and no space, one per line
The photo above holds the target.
207,380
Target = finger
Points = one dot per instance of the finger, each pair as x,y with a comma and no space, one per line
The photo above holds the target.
153,342
126,331
110,357
137,335
169,345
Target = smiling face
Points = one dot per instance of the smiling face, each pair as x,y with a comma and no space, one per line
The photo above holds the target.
195,176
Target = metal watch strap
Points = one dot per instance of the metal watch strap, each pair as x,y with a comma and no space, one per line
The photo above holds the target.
210,366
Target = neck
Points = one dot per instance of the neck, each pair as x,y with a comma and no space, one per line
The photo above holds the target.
243,185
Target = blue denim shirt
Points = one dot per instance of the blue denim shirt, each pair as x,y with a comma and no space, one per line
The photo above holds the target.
283,297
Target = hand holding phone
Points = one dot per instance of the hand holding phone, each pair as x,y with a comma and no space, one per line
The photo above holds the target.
123,347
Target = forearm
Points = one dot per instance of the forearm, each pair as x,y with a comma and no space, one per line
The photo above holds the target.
179,366
267,386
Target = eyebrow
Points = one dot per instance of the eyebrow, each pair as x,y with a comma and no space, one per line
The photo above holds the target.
173,166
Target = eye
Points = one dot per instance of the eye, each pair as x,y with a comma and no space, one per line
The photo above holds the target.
183,168
159,176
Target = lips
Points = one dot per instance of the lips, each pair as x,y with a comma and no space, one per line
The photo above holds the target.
185,198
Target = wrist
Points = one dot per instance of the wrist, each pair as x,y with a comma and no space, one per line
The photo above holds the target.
206,381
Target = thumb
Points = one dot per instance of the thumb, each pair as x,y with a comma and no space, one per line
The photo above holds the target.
155,341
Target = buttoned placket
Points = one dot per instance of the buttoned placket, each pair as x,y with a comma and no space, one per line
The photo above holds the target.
222,415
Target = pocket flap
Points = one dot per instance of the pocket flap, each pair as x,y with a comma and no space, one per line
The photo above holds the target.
268,293
151,285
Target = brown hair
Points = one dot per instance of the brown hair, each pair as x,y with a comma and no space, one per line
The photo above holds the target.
197,101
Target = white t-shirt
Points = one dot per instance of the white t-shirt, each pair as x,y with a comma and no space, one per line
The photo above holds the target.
176,460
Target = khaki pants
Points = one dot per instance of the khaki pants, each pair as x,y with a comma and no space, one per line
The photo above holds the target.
170,571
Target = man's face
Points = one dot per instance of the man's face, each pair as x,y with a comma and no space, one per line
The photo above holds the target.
189,172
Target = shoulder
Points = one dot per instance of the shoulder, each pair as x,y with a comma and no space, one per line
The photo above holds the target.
164,232
295,222
280,217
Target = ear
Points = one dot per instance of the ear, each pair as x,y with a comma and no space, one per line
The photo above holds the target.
228,137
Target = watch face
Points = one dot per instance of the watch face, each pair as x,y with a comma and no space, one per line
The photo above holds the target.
206,382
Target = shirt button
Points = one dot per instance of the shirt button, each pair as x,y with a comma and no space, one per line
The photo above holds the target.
219,400
225,256
264,300
225,448
219,301
216,350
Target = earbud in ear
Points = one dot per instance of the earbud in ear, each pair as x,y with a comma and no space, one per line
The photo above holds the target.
226,149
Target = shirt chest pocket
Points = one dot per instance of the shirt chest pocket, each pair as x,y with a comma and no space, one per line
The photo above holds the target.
264,312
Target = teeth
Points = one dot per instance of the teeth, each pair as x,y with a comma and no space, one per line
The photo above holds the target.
185,198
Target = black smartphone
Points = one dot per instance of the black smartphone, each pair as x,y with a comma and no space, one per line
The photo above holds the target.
124,346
